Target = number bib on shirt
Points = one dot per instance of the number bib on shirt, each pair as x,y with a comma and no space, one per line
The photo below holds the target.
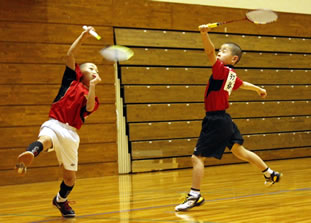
230,82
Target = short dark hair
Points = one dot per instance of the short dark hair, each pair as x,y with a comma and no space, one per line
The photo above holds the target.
236,50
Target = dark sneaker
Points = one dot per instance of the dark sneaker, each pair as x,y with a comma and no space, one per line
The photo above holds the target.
274,178
23,161
190,202
64,208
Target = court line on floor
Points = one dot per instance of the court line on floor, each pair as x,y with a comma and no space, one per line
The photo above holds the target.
170,205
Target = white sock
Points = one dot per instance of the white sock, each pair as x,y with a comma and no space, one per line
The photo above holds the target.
267,172
60,199
194,193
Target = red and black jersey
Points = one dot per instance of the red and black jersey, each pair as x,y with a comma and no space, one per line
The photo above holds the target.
220,85
69,106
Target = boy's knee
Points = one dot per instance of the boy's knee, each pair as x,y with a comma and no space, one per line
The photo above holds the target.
237,146
197,159
69,177
237,149
194,157
46,142
69,180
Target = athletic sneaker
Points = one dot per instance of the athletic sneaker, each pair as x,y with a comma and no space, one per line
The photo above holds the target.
275,177
64,208
23,161
190,202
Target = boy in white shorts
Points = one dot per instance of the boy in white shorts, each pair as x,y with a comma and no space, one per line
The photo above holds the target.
74,102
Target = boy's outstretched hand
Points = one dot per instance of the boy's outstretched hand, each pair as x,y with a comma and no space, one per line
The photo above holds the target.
204,28
86,32
208,27
262,92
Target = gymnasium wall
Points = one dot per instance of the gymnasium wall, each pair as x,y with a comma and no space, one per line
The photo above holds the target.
35,35
164,88
298,6
34,38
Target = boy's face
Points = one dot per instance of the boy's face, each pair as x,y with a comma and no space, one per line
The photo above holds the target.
90,72
225,55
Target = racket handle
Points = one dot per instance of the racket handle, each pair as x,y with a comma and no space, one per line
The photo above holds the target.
210,25
93,33
213,25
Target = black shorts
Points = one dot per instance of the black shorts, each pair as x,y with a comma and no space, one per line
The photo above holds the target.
218,132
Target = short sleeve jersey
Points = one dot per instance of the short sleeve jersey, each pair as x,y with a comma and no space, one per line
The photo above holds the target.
69,106
220,85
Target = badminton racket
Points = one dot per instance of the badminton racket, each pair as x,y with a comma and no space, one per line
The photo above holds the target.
260,16
116,53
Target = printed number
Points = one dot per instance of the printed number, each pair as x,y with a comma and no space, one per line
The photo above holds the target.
230,82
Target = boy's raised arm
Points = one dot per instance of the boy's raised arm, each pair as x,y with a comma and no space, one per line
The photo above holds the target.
209,47
70,59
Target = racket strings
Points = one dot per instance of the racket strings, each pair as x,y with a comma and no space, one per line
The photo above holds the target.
261,16
116,53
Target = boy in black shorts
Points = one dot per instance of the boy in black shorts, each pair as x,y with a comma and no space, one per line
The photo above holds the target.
218,129
75,101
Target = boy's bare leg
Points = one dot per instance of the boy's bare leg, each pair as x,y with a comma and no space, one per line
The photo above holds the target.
25,159
240,152
198,171
194,197
69,177
46,142
271,176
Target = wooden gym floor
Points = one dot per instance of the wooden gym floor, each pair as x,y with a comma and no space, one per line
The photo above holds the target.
233,193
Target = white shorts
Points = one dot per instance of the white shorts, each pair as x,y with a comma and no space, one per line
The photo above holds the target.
65,141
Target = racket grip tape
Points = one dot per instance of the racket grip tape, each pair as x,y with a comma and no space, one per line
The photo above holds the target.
213,25
210,25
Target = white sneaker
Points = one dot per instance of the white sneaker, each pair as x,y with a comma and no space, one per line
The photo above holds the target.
190,202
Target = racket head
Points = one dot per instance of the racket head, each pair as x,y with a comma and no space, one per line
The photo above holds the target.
262,16
116,53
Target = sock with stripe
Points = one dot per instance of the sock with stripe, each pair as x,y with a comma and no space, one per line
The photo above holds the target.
267,172
194,192
63,192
